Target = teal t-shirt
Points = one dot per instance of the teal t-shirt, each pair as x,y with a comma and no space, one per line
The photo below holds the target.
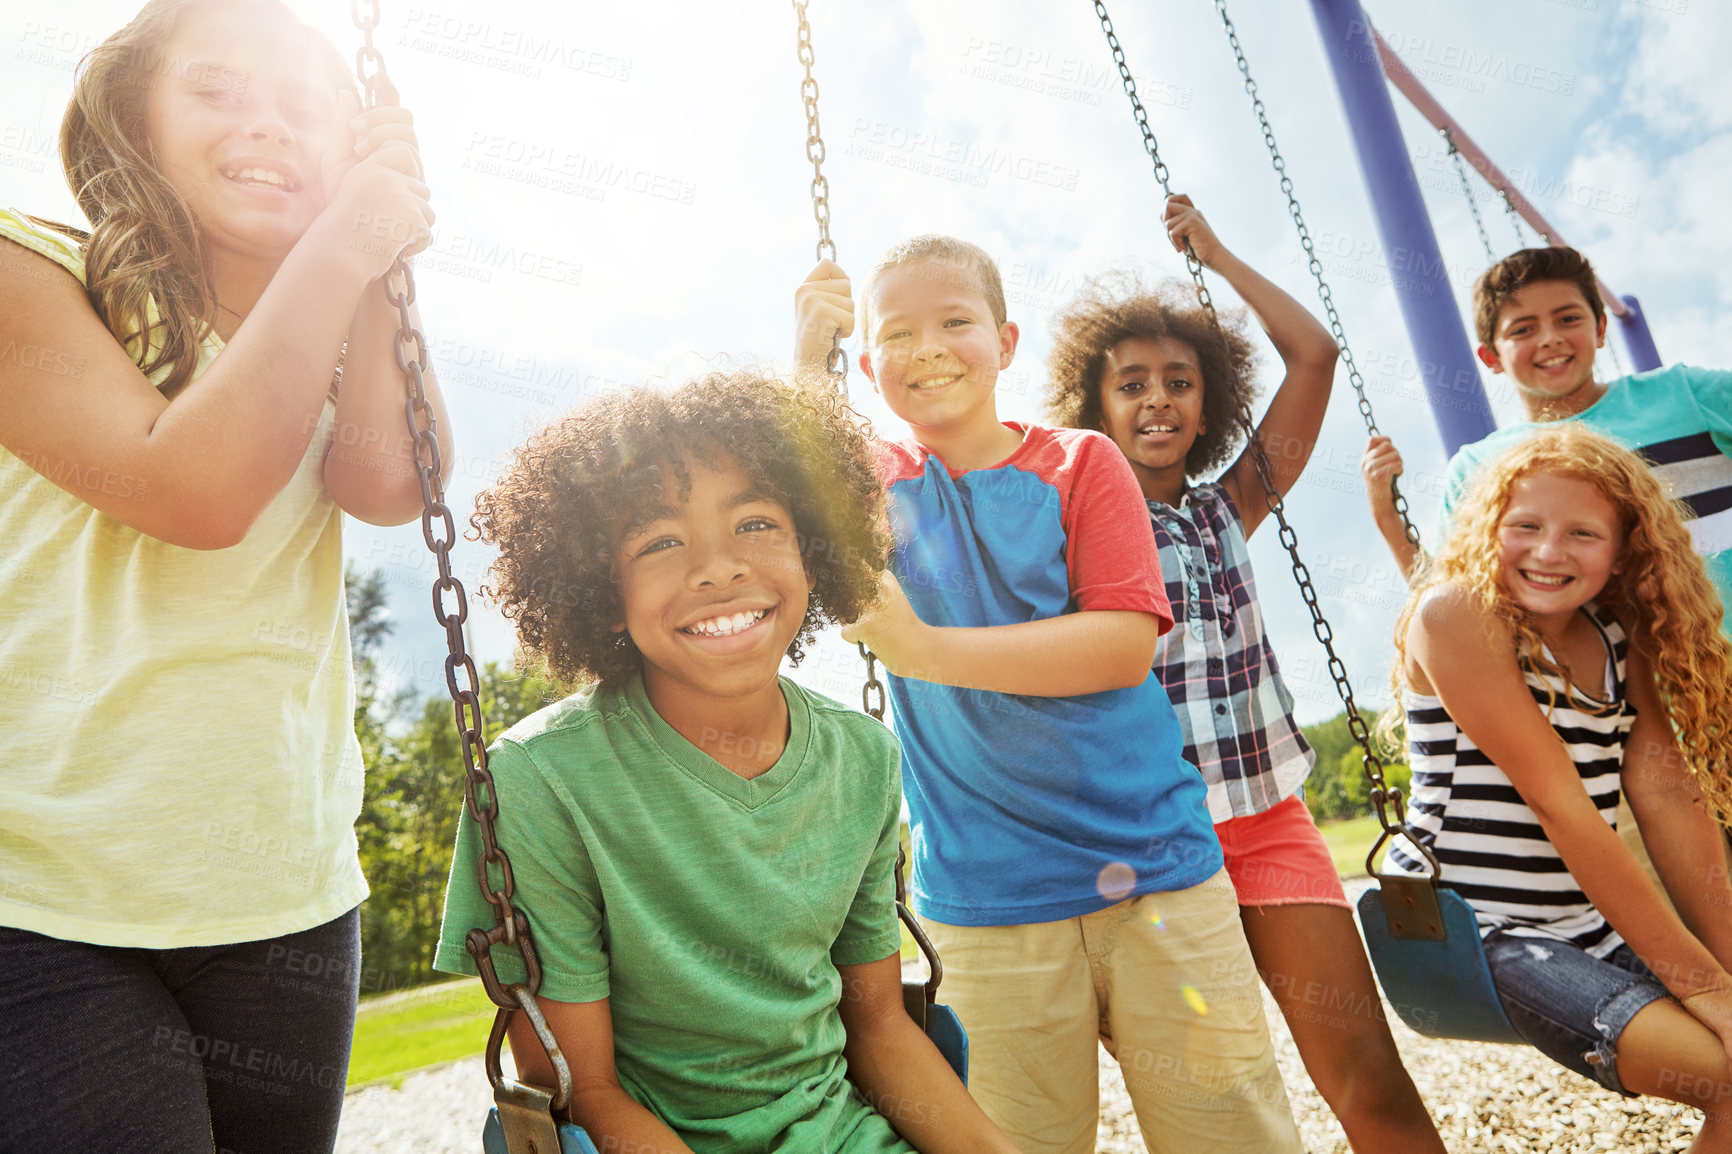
1679,418
710,910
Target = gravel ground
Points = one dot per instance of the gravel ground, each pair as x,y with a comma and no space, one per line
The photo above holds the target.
1499,1099
1485,1098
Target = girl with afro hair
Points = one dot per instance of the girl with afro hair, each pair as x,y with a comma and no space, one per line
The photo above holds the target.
1173,391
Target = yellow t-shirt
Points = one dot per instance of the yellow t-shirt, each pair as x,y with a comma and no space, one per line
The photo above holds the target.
181,766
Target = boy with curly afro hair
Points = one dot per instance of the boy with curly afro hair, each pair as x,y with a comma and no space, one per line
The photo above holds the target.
705,850
1154,373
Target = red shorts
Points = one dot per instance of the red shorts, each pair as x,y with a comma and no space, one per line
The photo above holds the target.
1278,858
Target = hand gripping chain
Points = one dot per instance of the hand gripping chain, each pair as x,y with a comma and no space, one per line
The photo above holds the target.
837,362
1384,797
440,533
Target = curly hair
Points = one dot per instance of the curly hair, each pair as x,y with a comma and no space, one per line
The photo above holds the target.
1661,594
1520,269
1116,307
566,495
145,269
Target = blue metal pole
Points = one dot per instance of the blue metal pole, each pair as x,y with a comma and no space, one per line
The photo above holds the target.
1637,338
1416,269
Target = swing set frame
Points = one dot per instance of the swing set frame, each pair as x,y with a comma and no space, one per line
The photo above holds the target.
1364,67
526,1118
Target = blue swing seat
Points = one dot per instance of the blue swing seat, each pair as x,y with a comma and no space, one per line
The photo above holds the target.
945,1030
572,1139
941,1025
1436,975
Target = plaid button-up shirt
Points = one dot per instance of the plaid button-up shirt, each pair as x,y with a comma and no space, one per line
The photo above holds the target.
1216,663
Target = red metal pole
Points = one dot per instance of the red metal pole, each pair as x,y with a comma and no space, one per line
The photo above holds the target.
1403,78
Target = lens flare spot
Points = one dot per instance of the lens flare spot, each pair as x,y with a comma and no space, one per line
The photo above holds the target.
1156,920
1193,998
1116,881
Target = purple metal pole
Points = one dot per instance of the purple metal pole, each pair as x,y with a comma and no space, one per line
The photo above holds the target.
1416,269
1637,338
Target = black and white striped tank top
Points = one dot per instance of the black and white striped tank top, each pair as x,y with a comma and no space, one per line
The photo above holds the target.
1488,842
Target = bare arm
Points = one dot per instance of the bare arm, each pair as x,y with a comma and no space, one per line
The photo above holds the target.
1065,656
1380,466
901,1073
371,470
1290,426
199,471
584,1031
1470,660
1687,846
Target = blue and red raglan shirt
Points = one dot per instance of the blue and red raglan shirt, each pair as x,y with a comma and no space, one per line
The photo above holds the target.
1032,809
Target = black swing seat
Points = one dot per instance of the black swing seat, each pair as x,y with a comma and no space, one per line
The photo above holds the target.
1424,943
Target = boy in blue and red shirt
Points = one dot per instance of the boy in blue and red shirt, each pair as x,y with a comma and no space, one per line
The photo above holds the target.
1064,860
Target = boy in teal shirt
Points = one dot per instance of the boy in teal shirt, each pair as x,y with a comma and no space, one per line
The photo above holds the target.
1539,319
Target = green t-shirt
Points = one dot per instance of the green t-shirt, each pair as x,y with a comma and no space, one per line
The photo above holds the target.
1680,418
710,910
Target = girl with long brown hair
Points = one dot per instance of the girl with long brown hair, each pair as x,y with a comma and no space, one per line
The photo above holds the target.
1564,646
178,868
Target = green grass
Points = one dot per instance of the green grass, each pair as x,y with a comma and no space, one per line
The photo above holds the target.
1348,843
423,1027
400,1033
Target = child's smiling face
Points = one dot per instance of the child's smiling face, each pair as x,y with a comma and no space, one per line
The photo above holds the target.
1561,540
1152,401
1544,338
246,127
713,587
935,349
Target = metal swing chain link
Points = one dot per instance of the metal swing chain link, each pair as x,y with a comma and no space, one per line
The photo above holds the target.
836,364
440,532
1383,796
1467,191
1313,263
1519,225
872,693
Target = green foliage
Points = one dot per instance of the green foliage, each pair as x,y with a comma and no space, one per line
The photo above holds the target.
435,1023
413,794
1338,787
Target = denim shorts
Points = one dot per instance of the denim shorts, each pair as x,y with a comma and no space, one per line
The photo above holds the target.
1568,1004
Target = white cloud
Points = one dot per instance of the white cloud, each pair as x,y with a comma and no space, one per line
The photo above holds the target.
659,153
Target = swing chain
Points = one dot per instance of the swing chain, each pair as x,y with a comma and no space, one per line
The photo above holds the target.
1313,262
1150,146
450,603
1467,191
836,363
1516,222
369,64
872,693
1383,796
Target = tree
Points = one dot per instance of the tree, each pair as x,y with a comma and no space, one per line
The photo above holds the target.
1338,787
369,624
413,793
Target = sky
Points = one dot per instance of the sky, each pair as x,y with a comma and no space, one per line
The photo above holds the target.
623,196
